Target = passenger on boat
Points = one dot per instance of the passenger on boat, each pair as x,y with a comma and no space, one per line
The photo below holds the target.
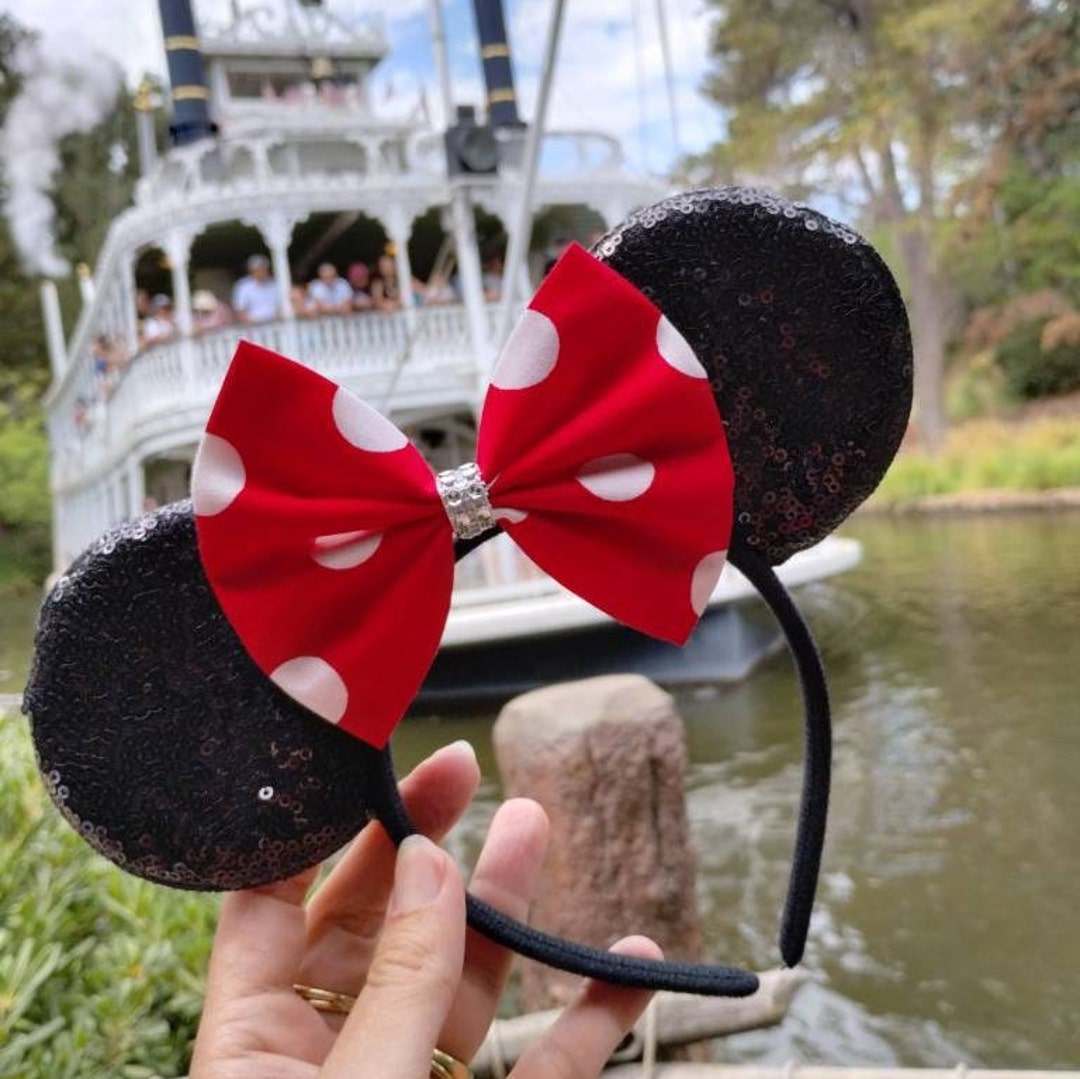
142,311
301,302
110,358
161,324
492,278
280,958
208,312
385,288
256,297
438,290
330,293
359,278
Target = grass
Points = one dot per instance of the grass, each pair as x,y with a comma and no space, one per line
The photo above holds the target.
100,973
986,455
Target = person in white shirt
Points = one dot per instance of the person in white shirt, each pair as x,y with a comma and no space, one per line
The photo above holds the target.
160,326
329,293
256,297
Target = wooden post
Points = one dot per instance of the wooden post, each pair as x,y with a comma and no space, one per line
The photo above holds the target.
606,758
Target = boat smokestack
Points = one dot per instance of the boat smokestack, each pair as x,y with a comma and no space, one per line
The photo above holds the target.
498,71
191,99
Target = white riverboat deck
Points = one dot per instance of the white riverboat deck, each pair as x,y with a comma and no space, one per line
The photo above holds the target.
535,606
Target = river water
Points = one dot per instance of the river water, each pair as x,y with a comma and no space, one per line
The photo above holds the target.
948,922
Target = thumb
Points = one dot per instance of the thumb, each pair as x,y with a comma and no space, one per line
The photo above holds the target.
414,973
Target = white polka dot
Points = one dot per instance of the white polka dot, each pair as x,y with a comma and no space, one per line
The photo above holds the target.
530,353
312,682
363,427
513,516
673,347
344,550
706,574
217,477
618,478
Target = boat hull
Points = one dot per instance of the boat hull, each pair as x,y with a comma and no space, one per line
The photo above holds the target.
495,650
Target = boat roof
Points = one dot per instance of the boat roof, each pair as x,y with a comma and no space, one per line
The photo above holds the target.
291,29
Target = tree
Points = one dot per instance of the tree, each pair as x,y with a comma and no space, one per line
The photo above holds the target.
22,337
891,107
96,183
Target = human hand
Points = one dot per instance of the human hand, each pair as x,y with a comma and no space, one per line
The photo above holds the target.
389,928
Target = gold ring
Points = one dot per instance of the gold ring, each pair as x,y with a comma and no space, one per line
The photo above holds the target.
444,1066
325,1000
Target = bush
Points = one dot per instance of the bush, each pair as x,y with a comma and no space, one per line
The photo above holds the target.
1034,372
100,973
24,469
989,455
25,559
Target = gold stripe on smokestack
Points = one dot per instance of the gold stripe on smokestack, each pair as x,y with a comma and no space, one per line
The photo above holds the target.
190,93
181,41
494,51
498,97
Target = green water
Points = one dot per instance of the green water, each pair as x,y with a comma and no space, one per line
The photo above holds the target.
948,922
948,926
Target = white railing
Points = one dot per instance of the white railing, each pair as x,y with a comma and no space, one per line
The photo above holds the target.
425,355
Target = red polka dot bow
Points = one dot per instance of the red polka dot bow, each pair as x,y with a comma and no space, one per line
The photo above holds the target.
328,540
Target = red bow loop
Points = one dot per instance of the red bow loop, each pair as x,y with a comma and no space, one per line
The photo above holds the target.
327,545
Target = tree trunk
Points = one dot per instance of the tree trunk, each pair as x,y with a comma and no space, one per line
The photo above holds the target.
927,335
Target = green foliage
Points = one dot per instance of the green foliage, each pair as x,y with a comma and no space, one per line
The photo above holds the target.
986,456
100,974
946,127
95,184
1031,242
24,471
1032,371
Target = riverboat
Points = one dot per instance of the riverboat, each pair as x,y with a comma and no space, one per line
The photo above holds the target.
282,158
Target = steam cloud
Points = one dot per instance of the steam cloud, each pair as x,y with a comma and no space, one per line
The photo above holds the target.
66,88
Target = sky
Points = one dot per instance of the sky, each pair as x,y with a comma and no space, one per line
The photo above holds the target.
609,74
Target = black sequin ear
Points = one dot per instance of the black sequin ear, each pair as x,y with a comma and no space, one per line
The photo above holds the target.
160,740
804,335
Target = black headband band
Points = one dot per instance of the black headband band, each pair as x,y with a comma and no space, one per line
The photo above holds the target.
810,834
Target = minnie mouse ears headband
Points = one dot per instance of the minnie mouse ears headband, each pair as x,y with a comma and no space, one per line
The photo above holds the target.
179,704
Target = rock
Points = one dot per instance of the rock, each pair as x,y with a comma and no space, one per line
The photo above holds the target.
606,758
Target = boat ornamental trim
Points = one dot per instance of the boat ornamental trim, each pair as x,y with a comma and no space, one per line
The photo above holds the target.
465,498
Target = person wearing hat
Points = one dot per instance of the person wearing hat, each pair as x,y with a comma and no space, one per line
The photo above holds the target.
160,325
256,297
208,312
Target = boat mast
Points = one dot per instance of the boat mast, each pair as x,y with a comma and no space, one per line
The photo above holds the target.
461,213
669,75
521,230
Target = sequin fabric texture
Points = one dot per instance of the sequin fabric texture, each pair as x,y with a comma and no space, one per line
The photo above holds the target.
161,742
805,338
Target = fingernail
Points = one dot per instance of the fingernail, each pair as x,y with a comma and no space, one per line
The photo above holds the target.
419,875
461,748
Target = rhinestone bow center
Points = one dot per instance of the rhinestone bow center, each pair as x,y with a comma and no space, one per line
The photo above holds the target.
465,498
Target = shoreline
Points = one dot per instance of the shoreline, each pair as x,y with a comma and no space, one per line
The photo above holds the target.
978,502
